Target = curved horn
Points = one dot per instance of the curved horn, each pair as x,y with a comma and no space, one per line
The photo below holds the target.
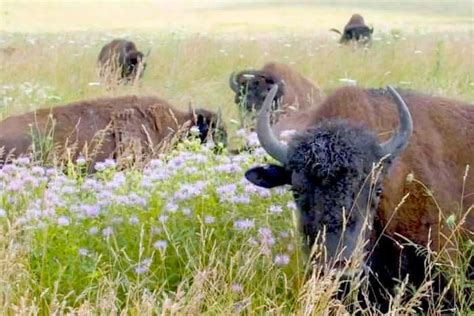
233,83
399,141
335,31
267,138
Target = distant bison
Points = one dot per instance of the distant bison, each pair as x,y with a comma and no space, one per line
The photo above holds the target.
349,185
104,128
355,30
295,92
121,61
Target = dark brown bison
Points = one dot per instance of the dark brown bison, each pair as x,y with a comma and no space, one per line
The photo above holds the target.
355,30
295,92
349,184
104,128
121,61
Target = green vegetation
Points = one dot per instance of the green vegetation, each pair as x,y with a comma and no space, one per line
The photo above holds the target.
188,235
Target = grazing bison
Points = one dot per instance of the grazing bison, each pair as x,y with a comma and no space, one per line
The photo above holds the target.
121,61
355,30
418,181
295,92
106,127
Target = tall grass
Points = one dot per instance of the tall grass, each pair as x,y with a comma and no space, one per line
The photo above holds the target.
187,234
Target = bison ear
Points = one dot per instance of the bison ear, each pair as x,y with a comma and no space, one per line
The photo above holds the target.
269,176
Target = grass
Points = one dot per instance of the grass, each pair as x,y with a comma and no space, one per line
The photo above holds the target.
187,235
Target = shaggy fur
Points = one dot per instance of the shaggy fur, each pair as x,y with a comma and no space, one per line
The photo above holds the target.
295,92
105,125
120,57
332,159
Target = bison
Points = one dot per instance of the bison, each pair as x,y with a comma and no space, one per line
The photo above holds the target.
121,61
295,93
404,188
105,127
355,30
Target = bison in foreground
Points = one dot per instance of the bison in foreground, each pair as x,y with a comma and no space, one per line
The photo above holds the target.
397,194
105,128
121,62
355,30
295,93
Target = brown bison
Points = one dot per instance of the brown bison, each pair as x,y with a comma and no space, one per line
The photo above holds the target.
104,128
295,92
355,30
121,61
349,184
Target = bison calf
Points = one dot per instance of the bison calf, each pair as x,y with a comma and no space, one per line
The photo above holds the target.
121,62
106,127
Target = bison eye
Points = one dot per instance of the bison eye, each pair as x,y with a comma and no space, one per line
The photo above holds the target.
297,192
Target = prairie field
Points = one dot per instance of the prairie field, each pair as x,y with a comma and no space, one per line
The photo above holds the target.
187,234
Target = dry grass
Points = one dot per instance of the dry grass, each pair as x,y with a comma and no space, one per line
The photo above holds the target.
194,48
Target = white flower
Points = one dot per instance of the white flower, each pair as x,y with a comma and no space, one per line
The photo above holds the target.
83,252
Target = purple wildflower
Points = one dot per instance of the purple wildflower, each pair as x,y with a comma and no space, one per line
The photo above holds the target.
93,230
244,224
209,219
163,218
160,245
107,232
237,288
281,260
240,199
228,168
133,220
38,171
275,209
171,207
23,161
63,221
144,266
252,140
226,189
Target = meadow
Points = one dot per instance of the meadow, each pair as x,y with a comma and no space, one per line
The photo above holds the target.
188,234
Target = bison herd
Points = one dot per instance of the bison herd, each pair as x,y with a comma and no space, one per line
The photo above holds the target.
384,165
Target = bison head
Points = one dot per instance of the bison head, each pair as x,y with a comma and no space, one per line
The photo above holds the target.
251,87
356,30
210,126
134,64
330,169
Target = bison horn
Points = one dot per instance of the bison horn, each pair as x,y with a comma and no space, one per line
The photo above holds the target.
399,141
233,83
267,138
